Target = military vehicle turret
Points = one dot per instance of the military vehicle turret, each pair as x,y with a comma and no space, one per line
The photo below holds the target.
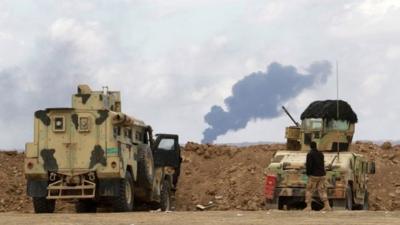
97,156
331,124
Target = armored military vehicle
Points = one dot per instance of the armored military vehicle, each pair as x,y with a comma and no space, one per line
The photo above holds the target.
97,156
331,125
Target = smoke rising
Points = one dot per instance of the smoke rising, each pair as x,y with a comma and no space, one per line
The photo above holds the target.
259,95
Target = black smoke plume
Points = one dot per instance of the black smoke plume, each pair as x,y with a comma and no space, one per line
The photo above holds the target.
259,95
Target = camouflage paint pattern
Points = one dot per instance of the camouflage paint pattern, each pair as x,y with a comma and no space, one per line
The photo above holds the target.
91,137
343,170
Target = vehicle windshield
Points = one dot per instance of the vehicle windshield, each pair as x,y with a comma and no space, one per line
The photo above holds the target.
313,124
340,125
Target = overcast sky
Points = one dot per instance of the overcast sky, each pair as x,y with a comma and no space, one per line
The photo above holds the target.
173,60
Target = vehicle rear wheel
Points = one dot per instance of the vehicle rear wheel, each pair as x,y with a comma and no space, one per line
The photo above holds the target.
145,167
43,205
349,199
281,202
85,206
124,201
366,201
165,201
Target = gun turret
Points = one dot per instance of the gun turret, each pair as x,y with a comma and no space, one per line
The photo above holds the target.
290,116
98,100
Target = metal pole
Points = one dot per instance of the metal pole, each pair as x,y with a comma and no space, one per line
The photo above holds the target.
337,103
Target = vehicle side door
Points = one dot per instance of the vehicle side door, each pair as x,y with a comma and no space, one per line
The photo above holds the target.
167,153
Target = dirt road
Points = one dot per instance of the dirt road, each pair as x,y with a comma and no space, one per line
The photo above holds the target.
206,218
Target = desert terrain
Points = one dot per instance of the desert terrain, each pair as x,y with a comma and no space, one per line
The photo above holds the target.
207,218
230,177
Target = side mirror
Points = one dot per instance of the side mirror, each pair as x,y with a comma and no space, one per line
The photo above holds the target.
371,167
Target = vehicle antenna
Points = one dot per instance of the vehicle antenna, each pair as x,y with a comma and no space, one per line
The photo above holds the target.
337,103
105,90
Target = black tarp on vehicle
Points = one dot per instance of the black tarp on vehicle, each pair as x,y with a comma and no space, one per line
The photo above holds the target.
328,110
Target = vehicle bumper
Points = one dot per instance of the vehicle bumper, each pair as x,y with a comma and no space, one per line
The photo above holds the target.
333,193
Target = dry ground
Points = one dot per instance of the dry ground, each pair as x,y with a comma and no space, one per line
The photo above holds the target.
207,218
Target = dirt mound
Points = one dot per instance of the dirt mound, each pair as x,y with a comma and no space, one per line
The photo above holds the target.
230,177
12,183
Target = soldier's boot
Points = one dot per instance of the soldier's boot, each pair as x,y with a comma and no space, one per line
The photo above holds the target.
327,207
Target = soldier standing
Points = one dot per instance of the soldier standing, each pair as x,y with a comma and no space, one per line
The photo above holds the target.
315,169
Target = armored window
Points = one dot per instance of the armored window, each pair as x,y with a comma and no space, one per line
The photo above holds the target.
59,124
317,125
314,124
166,144
84,124
339,125
128,133
117,131
307,138
139,136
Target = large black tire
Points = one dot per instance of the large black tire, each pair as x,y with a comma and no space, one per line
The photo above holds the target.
281,203
349,199
85,206
165,198
366,201
43,205
145,165
125,199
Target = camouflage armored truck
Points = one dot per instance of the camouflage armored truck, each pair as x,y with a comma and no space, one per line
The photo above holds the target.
331,125
96,156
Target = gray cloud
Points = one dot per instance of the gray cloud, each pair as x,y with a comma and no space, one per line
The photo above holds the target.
258,96
47,79
172,60
44,80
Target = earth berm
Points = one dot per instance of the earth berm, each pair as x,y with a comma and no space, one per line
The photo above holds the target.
229,177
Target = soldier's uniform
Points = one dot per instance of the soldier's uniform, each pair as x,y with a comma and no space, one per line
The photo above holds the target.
315,169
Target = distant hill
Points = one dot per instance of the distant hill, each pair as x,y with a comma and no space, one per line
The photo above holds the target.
245,144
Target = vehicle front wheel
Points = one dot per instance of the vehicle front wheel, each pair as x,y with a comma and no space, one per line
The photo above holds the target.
349,199
124,201
145,167
366,201
165,202
43,205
